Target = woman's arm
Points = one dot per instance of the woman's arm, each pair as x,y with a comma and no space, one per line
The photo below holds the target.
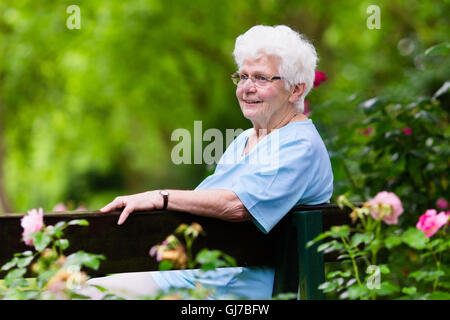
220,204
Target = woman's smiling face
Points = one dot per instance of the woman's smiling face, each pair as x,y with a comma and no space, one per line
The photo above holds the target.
260,104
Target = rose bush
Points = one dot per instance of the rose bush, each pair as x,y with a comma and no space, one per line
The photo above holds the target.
398,142
409,262
45,272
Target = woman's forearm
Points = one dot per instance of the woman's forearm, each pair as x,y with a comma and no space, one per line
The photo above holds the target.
220,204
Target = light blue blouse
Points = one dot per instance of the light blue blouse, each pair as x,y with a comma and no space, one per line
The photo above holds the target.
287,167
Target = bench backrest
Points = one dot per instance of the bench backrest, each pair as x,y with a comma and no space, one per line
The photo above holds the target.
126,247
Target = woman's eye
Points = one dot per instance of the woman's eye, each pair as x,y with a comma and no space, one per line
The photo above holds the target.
261,78
244,77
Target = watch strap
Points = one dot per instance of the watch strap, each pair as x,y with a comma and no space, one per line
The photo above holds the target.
165,195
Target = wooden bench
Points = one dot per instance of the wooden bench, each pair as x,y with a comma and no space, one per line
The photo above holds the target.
126,247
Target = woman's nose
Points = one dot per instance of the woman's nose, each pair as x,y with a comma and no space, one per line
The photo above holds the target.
249,86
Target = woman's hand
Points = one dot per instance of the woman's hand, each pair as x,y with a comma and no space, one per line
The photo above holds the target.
149,200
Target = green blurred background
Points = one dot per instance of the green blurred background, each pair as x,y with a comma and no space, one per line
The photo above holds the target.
87,115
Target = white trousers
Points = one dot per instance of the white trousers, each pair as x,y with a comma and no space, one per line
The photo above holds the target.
129,285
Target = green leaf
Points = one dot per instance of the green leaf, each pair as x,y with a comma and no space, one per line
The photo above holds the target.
285,296
212,259
344,274
392,241
165,265
60,225
24,262
439,295
441,49
320,237
384,269
357,292
78,222
387,288
229,260
442,90
62,243
207,256
427,276
415,238
14,278
10,264
340,231
328,286
41,240
44,277
359,238
82,258
409,290
23,254
343,256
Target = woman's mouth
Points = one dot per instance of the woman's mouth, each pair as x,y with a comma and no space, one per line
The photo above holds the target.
252,102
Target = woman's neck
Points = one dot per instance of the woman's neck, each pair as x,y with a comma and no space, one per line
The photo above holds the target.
265,129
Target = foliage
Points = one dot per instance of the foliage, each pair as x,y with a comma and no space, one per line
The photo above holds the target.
401,145
377,261
46,273
173,253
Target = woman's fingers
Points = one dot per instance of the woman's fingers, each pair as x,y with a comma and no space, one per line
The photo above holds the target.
129,203
125,213
115,204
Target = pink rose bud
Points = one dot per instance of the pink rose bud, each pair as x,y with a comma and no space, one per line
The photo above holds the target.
319,78
387,206
32,222
442,203
407,131
153,250
430,222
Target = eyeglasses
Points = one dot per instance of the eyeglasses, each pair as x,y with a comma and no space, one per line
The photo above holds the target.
259,80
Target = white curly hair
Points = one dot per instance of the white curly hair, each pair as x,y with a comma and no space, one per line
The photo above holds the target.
298,56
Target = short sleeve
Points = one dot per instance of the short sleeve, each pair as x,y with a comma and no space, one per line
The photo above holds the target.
269,191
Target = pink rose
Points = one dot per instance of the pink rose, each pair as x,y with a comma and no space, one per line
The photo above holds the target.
430,222
32,222
319,78
60,207
442,203
407,131
387,206
81,208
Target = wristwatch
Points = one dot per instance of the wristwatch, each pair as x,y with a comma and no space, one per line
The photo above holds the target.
165,195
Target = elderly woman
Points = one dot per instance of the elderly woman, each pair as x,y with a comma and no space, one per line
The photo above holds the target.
276,68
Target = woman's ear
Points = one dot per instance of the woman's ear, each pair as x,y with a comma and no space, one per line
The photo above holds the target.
297,92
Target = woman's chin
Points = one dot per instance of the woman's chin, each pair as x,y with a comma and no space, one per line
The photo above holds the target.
250,113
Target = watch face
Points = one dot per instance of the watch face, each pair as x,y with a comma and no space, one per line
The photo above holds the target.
165,192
